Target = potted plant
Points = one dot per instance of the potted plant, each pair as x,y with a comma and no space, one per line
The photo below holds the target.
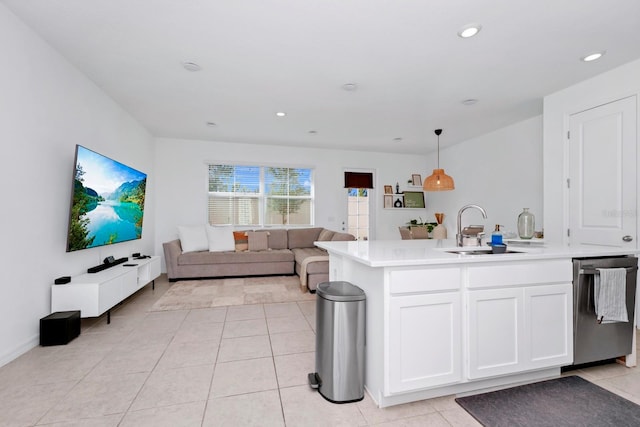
420,223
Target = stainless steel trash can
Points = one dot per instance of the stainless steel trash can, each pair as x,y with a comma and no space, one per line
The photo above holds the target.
340,319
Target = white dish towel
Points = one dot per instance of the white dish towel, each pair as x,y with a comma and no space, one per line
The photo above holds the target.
610,290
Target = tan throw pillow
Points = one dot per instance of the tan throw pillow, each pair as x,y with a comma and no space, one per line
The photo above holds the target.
258,240
325,235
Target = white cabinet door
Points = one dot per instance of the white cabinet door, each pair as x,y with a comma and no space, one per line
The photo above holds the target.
109,294
76,297
148,270
519,329
549,325
130,283
424,341
495,326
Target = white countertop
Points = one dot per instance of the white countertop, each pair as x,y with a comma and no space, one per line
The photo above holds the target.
390,253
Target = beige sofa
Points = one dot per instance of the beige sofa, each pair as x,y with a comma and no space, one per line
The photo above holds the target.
290,251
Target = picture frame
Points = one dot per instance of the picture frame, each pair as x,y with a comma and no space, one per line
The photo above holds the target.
388,201
414,199
416,180
388,189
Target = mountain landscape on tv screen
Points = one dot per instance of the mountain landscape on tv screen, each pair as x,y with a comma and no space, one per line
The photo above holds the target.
108,202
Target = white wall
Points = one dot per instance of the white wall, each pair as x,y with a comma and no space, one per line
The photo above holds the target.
500,171
619,83
46,107
182,181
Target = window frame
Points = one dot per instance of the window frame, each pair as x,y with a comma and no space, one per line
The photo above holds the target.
261,196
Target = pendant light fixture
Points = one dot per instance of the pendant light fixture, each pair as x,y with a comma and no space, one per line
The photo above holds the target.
438,180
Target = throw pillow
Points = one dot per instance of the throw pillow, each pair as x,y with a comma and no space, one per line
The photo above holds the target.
325,235
220,239
258,240
241,240
193,238
278,238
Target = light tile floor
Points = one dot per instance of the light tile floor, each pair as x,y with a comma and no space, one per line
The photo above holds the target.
225,366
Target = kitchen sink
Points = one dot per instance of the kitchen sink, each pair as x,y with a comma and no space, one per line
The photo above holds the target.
480,251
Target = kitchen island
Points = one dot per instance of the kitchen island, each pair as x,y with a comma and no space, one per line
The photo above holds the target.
440,322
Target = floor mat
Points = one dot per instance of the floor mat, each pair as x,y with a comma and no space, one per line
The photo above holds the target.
566,401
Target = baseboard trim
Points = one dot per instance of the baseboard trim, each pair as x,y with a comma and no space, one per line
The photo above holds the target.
20,350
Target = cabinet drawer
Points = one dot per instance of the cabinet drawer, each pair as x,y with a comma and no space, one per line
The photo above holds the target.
424,280
520,273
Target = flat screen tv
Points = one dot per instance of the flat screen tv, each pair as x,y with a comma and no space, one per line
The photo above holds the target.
107,201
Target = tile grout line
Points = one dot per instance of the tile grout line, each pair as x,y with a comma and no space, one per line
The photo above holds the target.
128,410
76,384
215,365
275,370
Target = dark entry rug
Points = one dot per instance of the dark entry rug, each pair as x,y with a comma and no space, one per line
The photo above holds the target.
567,401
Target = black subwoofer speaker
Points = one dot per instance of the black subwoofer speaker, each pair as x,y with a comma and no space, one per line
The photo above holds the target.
59,328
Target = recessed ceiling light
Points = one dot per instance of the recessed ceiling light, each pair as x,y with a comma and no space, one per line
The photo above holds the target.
469,30
350,87
191,66
470,101
211,124
281,114
593,56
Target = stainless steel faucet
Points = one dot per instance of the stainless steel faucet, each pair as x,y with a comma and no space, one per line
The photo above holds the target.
459,235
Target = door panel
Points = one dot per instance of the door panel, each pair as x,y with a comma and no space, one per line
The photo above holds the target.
425,341
548,322
495,328
602,173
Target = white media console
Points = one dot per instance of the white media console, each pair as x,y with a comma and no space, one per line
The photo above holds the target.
96,293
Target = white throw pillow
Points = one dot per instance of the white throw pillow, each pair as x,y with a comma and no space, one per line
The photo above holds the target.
220,239
193,238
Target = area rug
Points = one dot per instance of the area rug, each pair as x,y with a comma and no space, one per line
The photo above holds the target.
567,401
189,294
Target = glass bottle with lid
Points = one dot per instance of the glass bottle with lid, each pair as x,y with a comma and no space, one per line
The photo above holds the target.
526,224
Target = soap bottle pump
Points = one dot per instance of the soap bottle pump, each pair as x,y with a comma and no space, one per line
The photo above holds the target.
496,236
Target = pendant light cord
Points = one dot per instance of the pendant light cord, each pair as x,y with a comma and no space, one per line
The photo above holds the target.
438,132
438,151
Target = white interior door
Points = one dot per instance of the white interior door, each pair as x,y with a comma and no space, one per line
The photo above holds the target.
602,174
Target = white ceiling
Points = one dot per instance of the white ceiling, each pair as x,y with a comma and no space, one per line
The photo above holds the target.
263,56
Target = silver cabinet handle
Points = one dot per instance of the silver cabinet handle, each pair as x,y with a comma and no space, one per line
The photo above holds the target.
627,238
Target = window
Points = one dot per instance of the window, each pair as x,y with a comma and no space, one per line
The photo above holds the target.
260,195
358,185
358,213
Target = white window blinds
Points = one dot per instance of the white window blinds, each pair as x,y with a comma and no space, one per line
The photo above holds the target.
259,195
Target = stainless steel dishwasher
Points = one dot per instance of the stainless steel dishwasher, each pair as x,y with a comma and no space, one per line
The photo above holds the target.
593,341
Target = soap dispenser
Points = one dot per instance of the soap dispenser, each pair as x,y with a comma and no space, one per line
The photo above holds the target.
496,236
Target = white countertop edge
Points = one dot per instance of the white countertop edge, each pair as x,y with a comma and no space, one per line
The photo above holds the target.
399,253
